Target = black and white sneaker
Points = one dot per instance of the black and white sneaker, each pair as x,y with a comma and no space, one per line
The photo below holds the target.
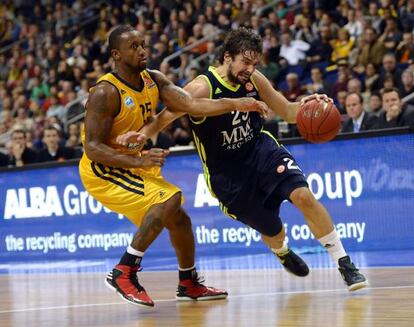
351,275
293,263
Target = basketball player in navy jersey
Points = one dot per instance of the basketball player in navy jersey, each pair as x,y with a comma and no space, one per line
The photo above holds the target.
250,173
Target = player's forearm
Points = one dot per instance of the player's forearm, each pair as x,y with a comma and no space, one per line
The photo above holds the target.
107,156
159,122
209,107
291,112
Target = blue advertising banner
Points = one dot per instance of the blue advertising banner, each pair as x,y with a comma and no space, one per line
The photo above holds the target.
366,184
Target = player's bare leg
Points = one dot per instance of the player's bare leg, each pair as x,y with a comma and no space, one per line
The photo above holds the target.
123,278
190,286
289,259
321,225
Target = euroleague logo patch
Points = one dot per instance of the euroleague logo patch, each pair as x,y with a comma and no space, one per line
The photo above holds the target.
249,86
129,102
280,169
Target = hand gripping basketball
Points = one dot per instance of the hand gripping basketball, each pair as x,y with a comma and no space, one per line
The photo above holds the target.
318,121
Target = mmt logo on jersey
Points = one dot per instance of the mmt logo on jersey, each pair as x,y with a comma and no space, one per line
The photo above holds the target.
129,102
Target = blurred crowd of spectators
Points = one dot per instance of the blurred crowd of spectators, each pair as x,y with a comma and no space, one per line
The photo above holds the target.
53,51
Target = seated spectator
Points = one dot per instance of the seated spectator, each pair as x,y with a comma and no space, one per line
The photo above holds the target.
317,84
18,153
407,84
293,87
321,49
74,138
340,103
22,119
354,85
375,104
405,49
359,120
53,151
341,83
306,32
373,49
391,36
371,78
390,68
55,108
268,68
394,114
293,51
342,45
354,26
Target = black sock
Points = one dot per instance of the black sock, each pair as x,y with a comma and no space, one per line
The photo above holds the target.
129,259
187,274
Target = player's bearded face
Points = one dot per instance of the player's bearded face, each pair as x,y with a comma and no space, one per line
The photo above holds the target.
242,67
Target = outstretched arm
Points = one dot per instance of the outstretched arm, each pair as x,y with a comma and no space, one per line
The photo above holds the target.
197,93
277,102
177,99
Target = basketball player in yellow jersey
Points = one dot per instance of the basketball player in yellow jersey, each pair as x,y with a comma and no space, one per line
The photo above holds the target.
130,183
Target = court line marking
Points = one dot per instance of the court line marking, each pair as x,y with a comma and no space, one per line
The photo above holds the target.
230,297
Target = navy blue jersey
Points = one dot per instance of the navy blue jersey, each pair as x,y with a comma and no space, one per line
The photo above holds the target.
228,137
245,167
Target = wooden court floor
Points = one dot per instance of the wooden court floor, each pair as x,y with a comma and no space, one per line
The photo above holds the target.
257,298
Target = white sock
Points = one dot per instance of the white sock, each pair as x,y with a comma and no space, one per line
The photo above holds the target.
283,249
132,251
333,245
186,269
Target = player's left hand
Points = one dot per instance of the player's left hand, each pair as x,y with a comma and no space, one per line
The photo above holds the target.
317,97
250,104
132,137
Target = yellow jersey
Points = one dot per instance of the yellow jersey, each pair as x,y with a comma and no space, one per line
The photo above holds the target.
137,106
131,192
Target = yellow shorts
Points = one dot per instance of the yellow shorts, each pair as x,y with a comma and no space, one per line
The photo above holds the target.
130,192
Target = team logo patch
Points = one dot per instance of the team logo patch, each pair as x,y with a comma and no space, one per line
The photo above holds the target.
249,86
129,102
280,169
148,82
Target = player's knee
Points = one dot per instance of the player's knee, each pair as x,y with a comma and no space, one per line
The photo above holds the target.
302,198
179,220
272,228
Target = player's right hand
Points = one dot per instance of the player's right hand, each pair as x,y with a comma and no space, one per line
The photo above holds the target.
250,104
154,157
132,137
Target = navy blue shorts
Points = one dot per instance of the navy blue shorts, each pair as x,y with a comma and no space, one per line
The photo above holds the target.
253,190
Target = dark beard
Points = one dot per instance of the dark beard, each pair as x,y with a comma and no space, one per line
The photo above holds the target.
232,78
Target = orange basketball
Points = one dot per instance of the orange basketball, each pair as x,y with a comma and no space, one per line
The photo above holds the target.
318,121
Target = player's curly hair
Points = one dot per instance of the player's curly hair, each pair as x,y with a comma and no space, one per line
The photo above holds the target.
240,40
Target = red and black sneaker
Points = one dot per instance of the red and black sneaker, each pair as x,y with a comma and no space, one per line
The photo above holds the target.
123,280
193,289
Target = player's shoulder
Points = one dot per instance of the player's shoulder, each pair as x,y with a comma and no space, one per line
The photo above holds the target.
257,77
103,94
104,88
159,78
199,87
